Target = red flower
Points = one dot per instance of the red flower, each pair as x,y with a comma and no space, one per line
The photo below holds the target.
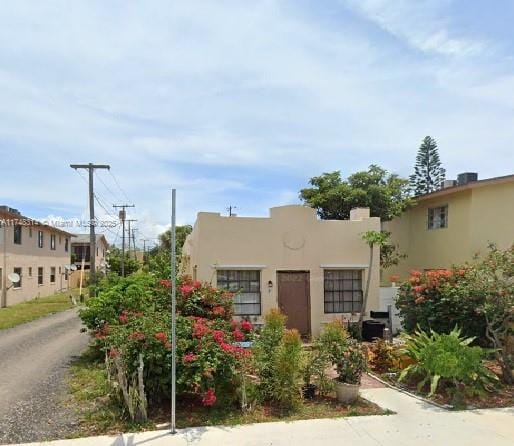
161,336
137,336
238,335
123,318
228,348
189,357
196,284
186,289
200,329
209,398
218,336
418,289
113,353
246,326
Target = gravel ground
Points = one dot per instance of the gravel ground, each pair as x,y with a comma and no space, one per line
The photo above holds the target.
33,365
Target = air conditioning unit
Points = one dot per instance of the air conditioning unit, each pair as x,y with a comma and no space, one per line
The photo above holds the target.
448,183
466,177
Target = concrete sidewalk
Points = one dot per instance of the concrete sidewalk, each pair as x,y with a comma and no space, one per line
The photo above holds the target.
415,423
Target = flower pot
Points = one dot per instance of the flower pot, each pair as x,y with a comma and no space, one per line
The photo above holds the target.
347,393
309,391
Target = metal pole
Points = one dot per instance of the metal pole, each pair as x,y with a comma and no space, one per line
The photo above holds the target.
173,312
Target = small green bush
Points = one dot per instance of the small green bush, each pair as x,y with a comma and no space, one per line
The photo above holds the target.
351,364
333,340
286,381
449,358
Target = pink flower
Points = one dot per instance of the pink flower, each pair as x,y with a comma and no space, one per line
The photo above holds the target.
189,357
238,335
200,329
246,326
113,353
418,289
218,336
196,284
209,398
123,318
186,289
218,311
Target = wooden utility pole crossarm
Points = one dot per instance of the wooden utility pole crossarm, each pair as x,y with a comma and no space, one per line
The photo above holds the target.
92,236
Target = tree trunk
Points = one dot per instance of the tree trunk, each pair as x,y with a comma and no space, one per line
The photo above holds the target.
366,291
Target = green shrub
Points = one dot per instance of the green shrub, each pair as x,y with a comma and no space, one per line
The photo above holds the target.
449,358
286,382
333,340
439,300
265,348
130,320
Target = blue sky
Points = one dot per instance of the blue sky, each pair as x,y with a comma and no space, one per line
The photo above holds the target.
240,103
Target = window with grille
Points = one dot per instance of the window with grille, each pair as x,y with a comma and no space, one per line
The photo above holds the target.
246,286
343,291
17,234
438,217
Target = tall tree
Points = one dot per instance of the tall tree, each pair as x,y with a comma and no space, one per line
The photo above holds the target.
428,172
387,195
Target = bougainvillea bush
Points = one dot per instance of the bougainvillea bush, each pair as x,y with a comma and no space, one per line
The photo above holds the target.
130,320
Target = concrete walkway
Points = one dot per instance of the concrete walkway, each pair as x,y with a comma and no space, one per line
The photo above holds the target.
415,423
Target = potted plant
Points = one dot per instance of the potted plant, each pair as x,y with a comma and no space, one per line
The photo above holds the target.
350,366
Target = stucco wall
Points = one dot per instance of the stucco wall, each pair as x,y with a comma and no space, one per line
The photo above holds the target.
29,255
291,239
476,216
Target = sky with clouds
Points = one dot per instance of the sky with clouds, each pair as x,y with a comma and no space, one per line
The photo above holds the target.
240,103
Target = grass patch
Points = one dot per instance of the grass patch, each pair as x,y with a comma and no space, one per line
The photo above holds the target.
34,309
99,412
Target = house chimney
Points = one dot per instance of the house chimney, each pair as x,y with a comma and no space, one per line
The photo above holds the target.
466,177
359,213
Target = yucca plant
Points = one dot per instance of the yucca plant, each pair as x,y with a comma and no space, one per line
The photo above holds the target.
447,357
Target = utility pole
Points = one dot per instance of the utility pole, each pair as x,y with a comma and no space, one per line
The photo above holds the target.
134,242
144,240
230,209
123,216
92,237
129,235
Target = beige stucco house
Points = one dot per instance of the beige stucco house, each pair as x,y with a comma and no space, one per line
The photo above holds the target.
313,270
38,253
81,249
451,225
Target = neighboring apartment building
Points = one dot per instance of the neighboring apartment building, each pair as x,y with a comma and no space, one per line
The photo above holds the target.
451,225
81,249
313,270
38,253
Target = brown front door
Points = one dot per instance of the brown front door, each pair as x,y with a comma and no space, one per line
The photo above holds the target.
294,299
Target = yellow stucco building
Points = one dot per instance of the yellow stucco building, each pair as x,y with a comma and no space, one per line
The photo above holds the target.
453,224
313,270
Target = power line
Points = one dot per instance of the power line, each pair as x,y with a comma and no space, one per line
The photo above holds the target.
107,187
118,185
